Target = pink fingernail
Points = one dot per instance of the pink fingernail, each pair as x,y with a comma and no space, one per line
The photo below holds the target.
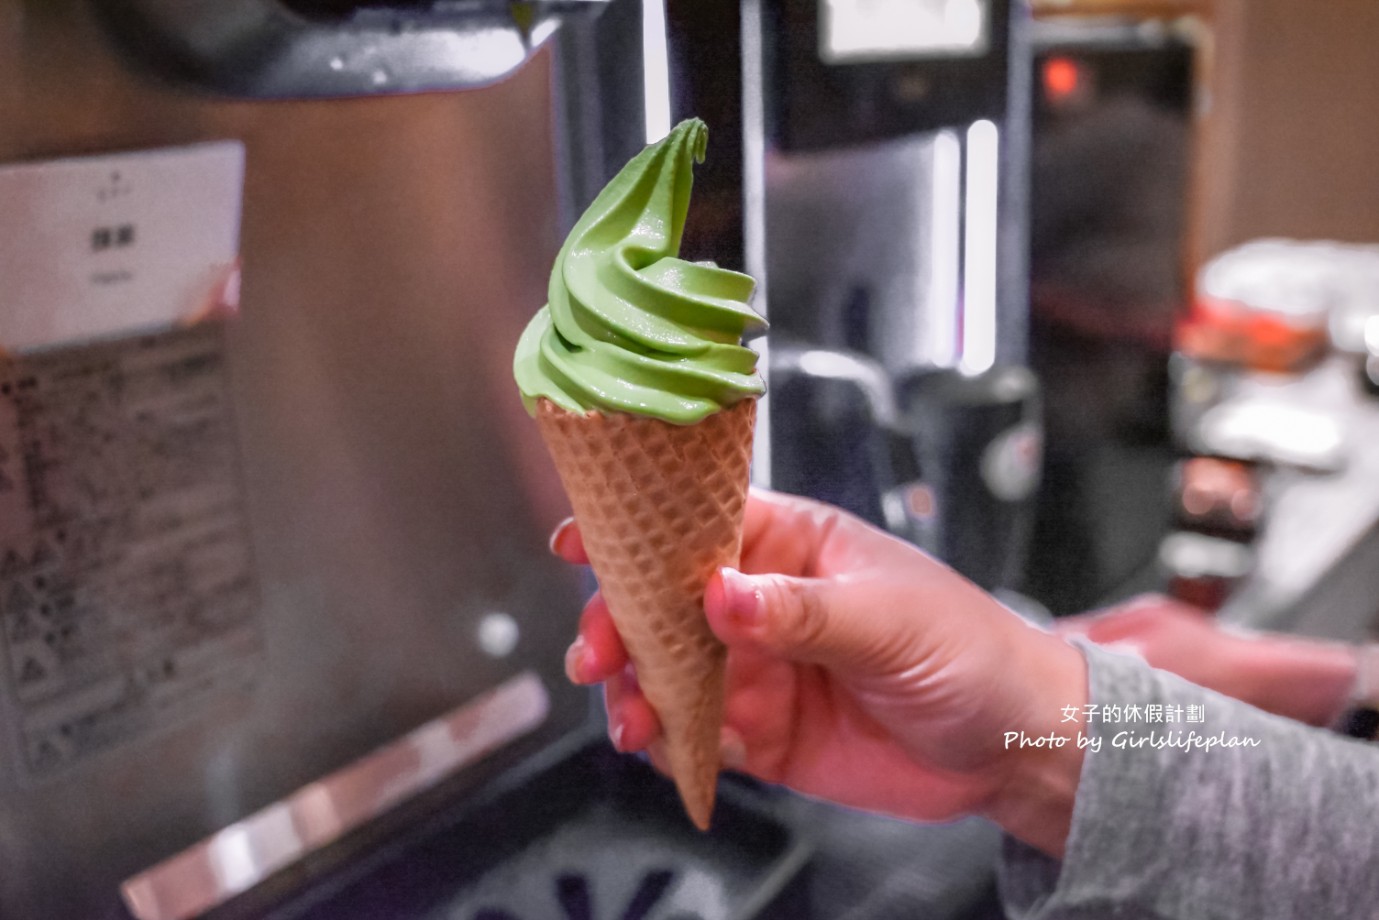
574,661
559,536
740,597
616,733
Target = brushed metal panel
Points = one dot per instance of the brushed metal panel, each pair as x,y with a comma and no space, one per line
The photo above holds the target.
396,492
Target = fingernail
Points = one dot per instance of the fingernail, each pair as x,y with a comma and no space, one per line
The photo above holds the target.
560,535
616,733
574,661
740,597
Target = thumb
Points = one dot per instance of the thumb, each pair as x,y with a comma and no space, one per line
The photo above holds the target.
799,619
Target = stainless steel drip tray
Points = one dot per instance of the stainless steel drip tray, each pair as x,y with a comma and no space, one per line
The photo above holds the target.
587,835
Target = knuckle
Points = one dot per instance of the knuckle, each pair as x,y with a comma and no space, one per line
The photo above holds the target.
802,617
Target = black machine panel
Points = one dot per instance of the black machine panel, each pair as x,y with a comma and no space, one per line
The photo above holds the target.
862,94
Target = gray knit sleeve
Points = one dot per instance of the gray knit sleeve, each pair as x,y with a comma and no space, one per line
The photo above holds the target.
1272,821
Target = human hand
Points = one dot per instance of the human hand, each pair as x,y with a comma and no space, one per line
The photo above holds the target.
864,672
1302,679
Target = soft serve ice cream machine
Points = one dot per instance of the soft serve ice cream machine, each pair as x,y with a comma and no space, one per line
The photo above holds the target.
886,175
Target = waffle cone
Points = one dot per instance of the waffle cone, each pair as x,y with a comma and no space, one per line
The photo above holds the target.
660,509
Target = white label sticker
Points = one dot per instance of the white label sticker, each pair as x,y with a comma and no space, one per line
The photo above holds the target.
127,590
101,246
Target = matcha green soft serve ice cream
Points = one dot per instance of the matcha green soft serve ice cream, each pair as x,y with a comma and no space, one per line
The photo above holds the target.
631,327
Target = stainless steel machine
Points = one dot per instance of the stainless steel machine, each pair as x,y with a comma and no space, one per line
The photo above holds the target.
887,210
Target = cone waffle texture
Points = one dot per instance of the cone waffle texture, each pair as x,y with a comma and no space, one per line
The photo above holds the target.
660,509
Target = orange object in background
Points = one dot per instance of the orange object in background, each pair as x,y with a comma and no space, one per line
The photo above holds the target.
1232,332
1266,305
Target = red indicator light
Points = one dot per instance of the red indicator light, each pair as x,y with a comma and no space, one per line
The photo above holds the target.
1062,78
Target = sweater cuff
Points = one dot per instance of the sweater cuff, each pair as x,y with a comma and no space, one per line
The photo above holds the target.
1191,804
1113,790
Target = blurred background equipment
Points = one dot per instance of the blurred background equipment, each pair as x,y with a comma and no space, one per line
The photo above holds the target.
1185,156
980,443
1218,496
1271,378
1112,100
889,223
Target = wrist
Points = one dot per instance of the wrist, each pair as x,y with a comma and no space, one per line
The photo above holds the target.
1035,802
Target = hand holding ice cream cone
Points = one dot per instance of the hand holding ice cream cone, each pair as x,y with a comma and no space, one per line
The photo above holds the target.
863,672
